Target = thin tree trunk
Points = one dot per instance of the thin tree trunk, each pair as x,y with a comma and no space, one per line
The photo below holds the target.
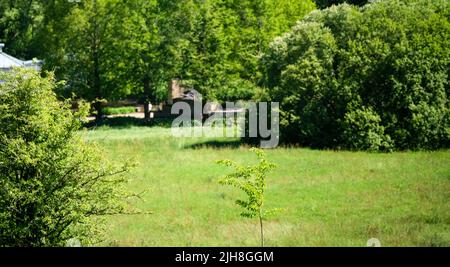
97,86
98,110
261,229
147,110
147,96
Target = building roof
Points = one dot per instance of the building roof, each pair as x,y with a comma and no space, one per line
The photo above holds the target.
9,62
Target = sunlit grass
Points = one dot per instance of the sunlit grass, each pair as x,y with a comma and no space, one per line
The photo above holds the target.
332,198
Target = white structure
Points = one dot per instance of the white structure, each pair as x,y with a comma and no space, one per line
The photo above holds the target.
8,62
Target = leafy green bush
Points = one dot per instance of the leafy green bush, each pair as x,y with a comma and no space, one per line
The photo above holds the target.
118,111
364,132
53,185
344,68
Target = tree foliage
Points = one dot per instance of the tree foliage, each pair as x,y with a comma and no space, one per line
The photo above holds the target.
110,49
53,185
19,22
372,78
225,39
86,55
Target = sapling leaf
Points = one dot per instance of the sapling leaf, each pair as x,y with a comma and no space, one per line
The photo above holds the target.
252,181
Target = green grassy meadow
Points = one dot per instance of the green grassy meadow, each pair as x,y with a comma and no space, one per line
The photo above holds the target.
331,198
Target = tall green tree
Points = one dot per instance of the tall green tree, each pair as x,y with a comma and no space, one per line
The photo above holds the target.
146,34
19,21
83,37
226,39
52,34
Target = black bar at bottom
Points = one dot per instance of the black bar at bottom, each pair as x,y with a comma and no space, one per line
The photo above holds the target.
222,256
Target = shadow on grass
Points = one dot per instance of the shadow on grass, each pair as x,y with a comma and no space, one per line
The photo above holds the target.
128,122
216,144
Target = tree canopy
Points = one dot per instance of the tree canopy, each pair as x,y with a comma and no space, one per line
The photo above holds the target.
371,78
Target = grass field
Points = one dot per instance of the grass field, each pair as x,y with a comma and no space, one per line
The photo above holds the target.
332,198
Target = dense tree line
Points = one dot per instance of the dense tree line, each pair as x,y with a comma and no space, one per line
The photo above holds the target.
370,75
372,78
110,49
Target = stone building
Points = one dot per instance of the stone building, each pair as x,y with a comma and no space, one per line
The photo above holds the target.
176,93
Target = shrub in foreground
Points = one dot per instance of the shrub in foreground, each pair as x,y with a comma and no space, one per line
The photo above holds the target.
53,185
